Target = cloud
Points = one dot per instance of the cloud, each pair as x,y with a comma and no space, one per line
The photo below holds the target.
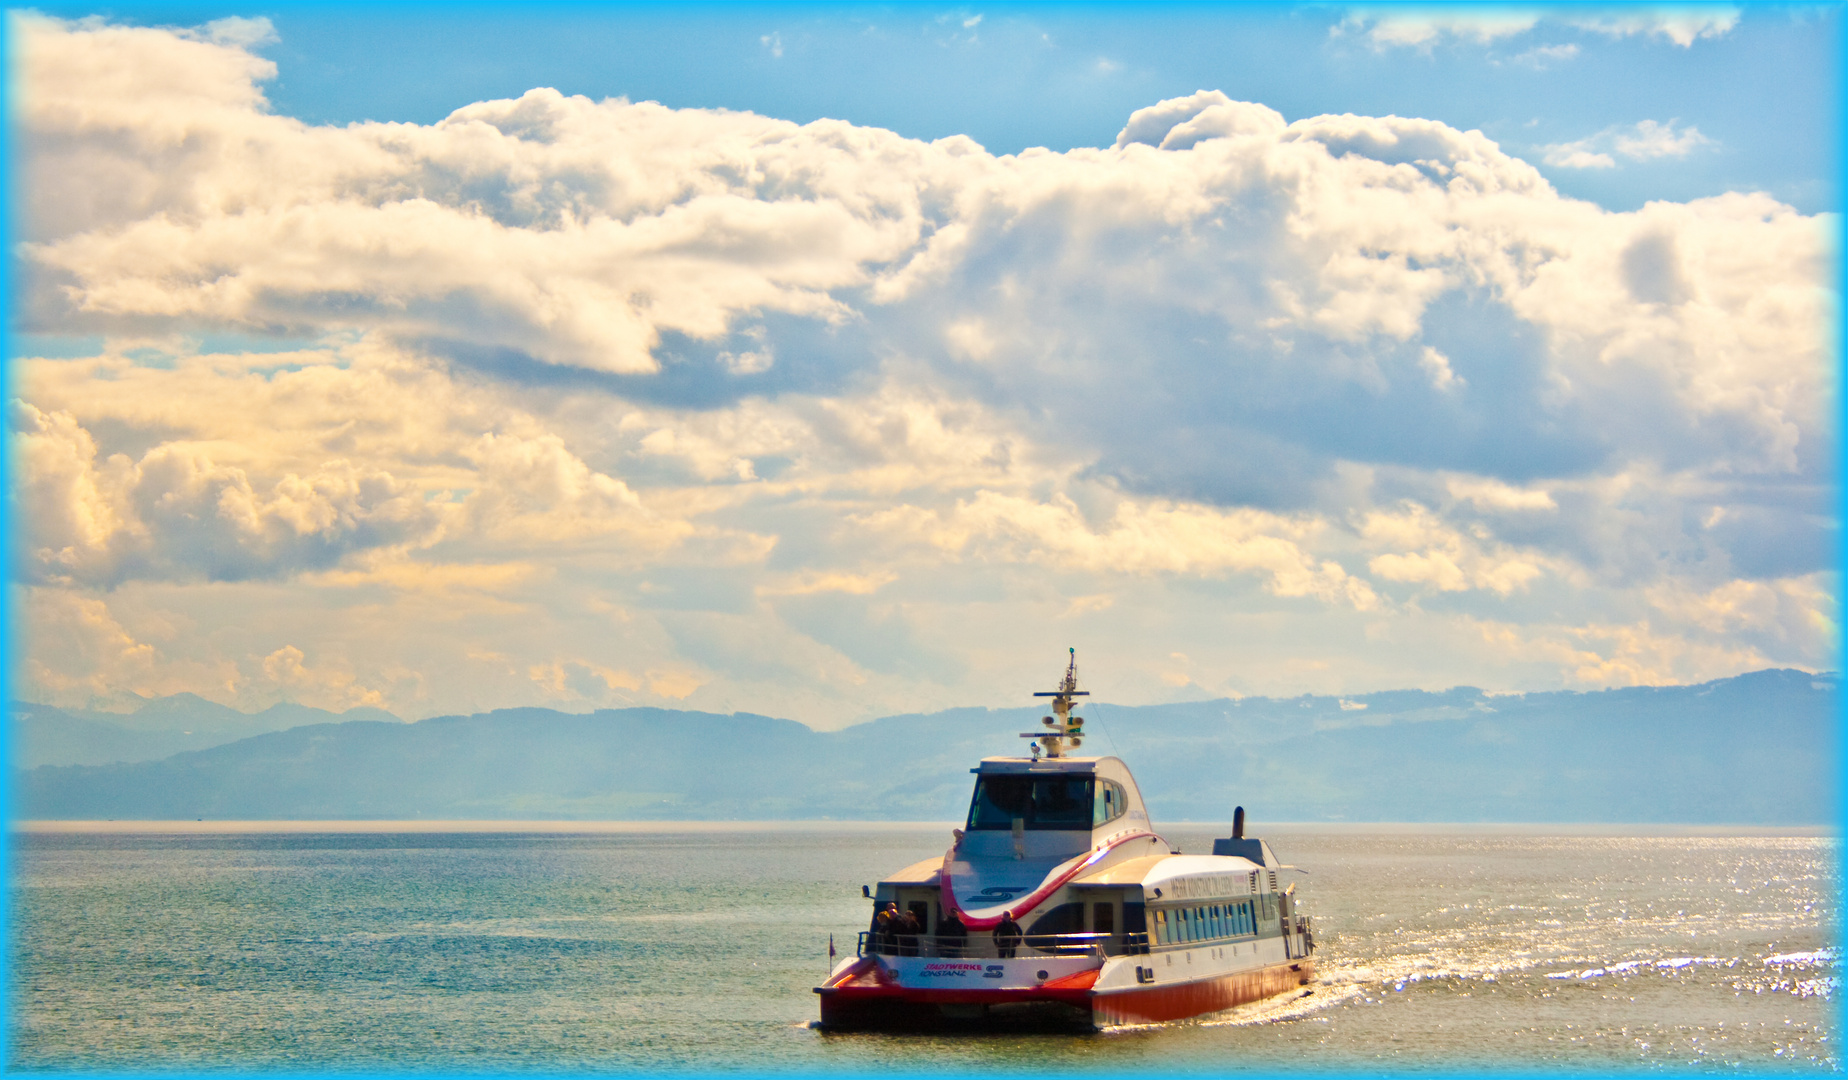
178,513
1652,140
1137,539
1542,57
1600,655
1437,366
812,582
331,688
1646,140
1576,156
1424,28
1182,123
1683,26
1429,553
1493,495
609,402
244,33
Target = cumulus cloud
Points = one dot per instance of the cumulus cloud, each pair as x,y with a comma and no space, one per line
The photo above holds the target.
769,409
176,512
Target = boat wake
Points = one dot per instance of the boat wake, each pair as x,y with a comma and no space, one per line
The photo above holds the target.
1802,974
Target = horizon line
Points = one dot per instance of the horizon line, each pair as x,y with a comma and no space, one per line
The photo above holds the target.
552,826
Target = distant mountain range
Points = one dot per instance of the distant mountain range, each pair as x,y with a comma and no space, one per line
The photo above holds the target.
1755,749
157,728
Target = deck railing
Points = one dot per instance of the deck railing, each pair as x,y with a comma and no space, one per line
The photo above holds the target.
981,945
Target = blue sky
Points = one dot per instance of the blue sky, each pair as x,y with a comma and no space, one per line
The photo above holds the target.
404,357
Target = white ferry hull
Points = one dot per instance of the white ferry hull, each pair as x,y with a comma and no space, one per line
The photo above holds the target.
1198,997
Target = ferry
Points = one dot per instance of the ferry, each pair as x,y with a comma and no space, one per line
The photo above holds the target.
1059,904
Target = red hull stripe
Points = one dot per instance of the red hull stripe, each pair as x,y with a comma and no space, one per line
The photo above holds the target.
1033,899
1142,1004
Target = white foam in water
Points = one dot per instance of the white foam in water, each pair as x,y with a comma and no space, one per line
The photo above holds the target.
1279,1009
1814,956
1626,967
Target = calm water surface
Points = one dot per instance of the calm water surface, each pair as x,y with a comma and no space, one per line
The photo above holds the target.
658,949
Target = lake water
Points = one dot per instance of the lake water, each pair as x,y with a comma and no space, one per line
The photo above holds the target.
661,947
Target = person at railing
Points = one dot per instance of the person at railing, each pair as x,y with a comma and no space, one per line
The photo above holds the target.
885,928
951,935
908,930
1007,936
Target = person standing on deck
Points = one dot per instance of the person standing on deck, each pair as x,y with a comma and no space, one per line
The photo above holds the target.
908,929
951,935
1007,936
885,928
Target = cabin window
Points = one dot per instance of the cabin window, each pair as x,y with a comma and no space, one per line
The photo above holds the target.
1161,926
1219,921
1111,803
1063,919
1103,918
1041,802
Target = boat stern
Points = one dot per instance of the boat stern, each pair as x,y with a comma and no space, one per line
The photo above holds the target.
933,992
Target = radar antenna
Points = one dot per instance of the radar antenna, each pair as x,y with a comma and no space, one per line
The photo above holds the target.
1067,730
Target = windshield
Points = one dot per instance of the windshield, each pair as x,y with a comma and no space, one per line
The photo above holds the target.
1041,802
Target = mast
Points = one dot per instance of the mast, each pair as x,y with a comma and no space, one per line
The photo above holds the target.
1067,730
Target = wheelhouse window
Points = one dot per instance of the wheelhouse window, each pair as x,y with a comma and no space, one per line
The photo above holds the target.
1041,802
1112,802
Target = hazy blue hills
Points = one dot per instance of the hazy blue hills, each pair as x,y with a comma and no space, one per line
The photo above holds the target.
157,728
1759,748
